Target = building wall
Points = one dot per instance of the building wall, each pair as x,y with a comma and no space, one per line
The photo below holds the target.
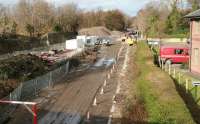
195,47
167,40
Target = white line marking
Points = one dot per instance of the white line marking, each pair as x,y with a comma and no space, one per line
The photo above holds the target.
110,119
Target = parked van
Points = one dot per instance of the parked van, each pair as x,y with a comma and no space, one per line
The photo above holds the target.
174,53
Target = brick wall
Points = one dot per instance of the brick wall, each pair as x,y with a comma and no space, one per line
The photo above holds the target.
195,47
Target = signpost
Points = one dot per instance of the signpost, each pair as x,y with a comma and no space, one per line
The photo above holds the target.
196,84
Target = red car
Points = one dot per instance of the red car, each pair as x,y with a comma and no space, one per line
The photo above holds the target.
174,53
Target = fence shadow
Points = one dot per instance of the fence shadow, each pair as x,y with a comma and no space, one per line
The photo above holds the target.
191,104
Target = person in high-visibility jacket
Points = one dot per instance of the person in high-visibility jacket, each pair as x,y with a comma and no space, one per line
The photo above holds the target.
130,41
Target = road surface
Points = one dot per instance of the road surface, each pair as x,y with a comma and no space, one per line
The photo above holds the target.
69,102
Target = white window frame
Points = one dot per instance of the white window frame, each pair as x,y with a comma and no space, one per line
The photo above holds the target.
196,56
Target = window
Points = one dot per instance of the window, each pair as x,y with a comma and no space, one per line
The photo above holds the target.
197,27
179,51
88,41
196,56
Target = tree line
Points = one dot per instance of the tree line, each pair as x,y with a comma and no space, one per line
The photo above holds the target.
36,17
165,18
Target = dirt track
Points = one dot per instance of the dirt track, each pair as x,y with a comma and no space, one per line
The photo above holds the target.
68,102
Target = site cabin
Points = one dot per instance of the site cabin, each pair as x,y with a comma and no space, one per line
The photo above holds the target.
174,53
91,40
88,40
74,44
194,41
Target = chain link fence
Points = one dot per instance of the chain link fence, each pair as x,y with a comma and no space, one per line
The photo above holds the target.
31,88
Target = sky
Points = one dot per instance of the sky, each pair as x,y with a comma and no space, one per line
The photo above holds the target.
130,7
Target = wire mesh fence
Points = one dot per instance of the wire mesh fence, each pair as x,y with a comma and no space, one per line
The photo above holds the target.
31,88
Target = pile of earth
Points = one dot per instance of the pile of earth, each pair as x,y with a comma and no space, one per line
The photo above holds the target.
95,31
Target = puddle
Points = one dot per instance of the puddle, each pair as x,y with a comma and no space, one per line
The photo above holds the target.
104,62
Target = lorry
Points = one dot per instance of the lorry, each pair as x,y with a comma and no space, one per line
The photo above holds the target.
174,53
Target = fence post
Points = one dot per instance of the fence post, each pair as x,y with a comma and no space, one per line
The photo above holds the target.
20,94
60,68
50,79
10,96
186,85
159,61
196,91
34,109
169,69
179,78
67,67
174,72
35,84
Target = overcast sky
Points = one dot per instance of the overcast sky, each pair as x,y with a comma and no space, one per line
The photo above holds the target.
130,7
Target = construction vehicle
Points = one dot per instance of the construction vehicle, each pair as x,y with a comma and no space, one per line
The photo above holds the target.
129,41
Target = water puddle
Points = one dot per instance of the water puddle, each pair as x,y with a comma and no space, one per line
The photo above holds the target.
104,62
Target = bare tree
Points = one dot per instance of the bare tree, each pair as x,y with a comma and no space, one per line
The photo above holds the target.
23,15
42,17
151,19
68,17
195,4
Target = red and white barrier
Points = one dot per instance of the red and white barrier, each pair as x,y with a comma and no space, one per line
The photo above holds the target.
33,111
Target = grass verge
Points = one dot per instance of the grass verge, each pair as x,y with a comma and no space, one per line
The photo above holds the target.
157,91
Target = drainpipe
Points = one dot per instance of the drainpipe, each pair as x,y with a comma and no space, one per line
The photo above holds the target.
191,29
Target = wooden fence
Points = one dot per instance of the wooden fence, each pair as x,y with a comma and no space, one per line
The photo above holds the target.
184,80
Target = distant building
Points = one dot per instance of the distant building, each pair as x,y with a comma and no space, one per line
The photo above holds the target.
194,41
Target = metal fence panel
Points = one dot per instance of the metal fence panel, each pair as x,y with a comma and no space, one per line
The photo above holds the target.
31,88
16,94
28,89
42,82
